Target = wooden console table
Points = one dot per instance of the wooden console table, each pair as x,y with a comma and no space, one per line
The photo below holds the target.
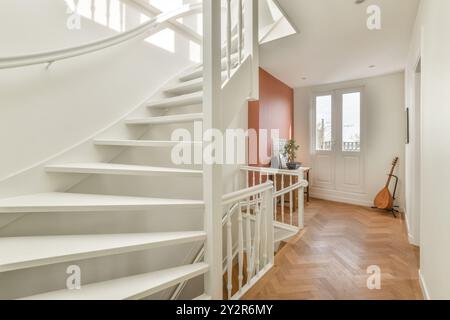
295,193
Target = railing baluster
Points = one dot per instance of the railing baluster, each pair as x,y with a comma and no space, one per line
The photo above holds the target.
265,227
239,28
275,209
301,199
247,178
251,41
93,7
282,198
241,248
257,238
122,13
108,12
229,39
291,200
229,255
248,240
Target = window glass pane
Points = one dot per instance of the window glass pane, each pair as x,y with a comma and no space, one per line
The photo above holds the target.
323,123
351,122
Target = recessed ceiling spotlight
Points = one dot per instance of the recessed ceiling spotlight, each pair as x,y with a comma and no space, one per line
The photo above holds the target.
359,1
372,66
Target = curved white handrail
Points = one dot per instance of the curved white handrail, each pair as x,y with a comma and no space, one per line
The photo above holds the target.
293,187
62,54
265,170
233,197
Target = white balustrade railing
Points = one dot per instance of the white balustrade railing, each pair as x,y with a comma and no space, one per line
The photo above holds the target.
249,237
286,184
351,146
233,33
236,47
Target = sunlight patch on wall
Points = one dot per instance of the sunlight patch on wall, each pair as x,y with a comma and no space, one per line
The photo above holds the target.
164,39
195,52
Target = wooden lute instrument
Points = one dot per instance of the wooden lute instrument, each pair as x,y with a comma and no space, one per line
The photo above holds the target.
384,199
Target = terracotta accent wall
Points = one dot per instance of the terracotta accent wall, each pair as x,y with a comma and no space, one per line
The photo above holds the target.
274,110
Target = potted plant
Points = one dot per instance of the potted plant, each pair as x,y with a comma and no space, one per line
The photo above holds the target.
290,150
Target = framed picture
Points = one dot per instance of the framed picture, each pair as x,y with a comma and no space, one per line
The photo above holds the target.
277,152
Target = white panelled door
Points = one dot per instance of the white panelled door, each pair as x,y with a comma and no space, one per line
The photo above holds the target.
324,155
337,145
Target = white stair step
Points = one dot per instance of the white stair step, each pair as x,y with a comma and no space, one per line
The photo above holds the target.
186,87
75,202
179,101
129,288
120,169
194,74
179,118
27,252
198,73
142,143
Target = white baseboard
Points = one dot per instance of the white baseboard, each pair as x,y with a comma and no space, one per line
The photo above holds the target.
423,286
343,197
339,197
412,240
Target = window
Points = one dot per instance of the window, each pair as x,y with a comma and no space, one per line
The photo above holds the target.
324,131
351,122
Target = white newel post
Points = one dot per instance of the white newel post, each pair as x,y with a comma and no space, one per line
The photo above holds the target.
251,43
212,109
268,198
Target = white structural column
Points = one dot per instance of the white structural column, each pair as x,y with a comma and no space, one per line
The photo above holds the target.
251,44
212,177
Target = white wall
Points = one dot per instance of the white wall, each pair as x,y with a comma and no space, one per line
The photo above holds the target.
383,100
431,39
235,117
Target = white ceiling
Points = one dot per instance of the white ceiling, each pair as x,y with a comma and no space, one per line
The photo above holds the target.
334,43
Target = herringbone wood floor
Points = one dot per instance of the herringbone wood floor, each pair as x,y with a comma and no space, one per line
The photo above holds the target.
329,259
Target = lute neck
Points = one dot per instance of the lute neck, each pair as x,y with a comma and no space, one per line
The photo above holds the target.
390,175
